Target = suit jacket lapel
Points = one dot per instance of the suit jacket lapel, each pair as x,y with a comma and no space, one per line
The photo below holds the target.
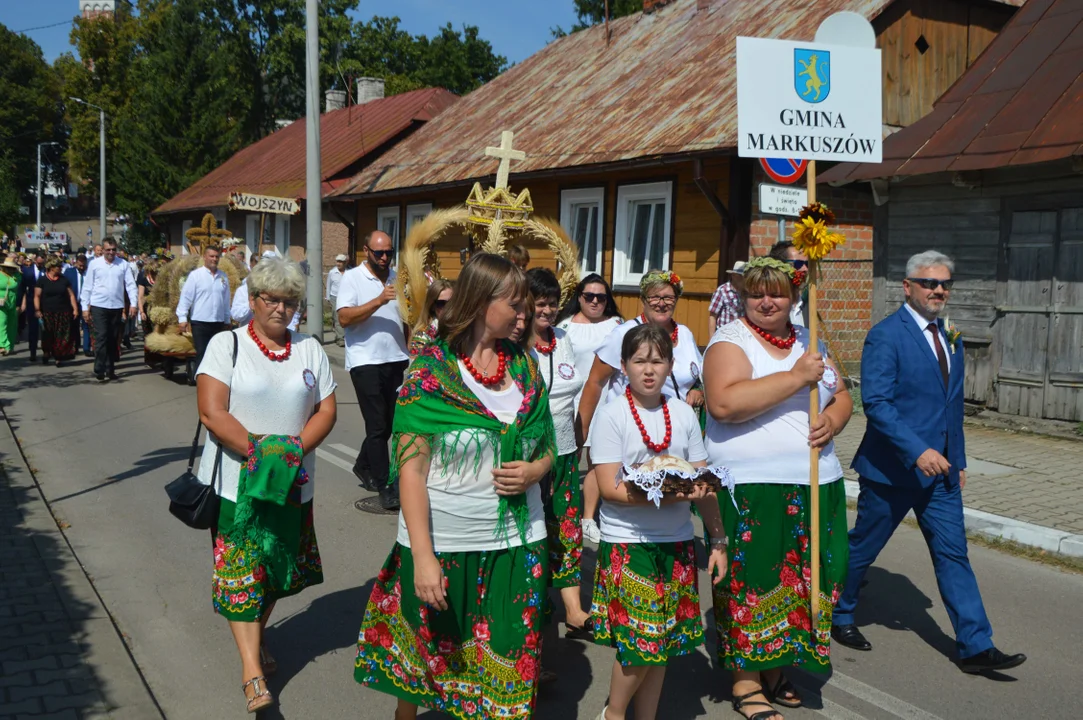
918,335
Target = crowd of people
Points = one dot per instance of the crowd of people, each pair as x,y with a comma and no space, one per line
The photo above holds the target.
476,422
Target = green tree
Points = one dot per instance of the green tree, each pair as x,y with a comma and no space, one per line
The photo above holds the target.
10,195
592,12
30,111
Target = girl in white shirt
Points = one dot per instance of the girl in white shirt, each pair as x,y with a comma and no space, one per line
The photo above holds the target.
646,595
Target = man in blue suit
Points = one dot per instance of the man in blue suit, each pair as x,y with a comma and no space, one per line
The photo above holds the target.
76,275
913,457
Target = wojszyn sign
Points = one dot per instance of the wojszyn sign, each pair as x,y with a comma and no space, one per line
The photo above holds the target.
264,203
809,101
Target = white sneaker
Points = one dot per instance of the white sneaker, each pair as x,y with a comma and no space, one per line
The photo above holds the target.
591,531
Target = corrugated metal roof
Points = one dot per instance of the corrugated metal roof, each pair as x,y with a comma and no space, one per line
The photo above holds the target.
1021,102
275,165
665,85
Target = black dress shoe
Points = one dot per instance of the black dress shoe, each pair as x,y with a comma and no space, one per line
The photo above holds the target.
114,376
389,498
364,479
850,636
991,659
100,377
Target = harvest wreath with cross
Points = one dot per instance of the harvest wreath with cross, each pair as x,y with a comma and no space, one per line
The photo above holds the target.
492,218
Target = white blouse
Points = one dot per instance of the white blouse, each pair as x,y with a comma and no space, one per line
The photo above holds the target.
772,447
565,382
687,361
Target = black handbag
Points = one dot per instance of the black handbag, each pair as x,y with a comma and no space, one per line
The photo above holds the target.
190,501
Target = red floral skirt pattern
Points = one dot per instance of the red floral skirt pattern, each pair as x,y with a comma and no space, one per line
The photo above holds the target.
562,522
646,601
762,608
477,659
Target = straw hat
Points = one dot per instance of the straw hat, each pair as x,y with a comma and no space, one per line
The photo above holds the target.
9,263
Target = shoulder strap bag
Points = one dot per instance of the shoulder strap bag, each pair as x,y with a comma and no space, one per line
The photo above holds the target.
190,501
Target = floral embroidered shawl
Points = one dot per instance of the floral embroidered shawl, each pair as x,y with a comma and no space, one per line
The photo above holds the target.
436,406
273,470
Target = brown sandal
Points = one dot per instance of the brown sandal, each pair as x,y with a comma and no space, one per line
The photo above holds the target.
261,697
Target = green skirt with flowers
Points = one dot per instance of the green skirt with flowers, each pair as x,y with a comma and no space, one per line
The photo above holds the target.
761,609
646,601
562,522
477,659
240,588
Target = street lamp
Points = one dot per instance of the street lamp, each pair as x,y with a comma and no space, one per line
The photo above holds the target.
40,145
101,143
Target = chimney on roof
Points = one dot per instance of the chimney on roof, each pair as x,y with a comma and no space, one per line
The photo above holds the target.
334,100
650,6
369,88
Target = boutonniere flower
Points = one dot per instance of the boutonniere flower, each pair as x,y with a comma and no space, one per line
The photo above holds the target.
953,334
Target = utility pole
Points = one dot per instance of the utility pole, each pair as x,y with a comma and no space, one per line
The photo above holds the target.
313,191
101,161
37,226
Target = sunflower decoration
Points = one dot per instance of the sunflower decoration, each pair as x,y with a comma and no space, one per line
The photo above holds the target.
811,234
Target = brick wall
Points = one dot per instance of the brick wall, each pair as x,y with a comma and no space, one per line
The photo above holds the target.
335,240
845,288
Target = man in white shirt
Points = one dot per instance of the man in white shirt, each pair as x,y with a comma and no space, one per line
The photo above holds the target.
375,356
108,288
334,279
204,302
785,251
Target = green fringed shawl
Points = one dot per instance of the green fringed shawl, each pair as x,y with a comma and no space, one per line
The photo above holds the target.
436,407
263,518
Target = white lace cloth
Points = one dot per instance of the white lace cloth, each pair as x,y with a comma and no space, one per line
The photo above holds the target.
650,481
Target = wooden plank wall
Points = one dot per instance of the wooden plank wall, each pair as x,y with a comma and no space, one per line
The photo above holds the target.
695,237
930,212
956,32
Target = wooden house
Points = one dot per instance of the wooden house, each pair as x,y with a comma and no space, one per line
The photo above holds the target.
993,176
630,133
350,137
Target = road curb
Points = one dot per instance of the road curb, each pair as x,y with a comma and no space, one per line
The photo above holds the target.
1004,528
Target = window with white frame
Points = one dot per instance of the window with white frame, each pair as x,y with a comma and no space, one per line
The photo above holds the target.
415,214
581,214
642,231
282,235
387,220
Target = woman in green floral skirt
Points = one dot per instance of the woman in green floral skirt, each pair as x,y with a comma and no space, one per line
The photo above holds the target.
757,375
454,619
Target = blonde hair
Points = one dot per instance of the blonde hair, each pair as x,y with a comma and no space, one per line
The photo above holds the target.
767,279
489,277
53,262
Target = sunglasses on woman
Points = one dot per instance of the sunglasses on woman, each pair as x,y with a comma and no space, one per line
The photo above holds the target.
595,297
932,283
439,304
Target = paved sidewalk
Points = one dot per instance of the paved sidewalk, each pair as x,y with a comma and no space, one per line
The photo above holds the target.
60,656
1031,478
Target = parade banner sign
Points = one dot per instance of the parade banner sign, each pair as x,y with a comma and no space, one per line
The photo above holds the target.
808,101
264,203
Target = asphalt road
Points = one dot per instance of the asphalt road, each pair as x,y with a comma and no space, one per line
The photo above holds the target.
103,452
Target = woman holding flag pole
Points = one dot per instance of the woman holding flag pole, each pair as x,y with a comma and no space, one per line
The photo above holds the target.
761,372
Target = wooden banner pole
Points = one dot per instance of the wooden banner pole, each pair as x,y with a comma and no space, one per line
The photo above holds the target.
259,243
813,415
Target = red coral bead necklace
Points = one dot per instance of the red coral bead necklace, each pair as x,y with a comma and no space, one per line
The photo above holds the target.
487,380
777,342
548,349
672,335
272,356
652,446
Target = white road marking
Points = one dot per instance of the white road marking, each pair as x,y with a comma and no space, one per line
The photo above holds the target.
345,450
890,703
335,460
837,712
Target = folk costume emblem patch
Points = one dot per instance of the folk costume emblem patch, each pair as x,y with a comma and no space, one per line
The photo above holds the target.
830,380
566,371
310,378
694,369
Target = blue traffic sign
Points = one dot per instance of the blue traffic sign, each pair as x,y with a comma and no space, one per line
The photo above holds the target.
784,170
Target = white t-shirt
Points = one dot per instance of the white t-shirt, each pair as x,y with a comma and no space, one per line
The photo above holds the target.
773,447
687,361
379,339
267,398
615,438
586,338
564,381
463,503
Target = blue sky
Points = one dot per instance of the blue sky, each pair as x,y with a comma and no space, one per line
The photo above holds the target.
518,30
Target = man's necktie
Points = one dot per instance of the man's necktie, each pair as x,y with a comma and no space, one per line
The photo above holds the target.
940,356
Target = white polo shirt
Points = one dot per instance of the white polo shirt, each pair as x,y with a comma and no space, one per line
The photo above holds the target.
379,339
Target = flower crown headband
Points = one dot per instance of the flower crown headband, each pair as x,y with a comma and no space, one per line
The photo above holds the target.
797,277
667,276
